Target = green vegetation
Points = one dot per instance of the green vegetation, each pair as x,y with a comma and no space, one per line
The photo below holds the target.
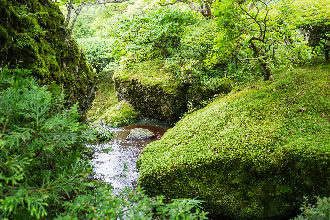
106,109
320,211
44,162
121,114
103,133
130,205
252,154
258,152
98,52
32,36
42,148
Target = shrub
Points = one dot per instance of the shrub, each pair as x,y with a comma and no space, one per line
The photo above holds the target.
41,148
100,52
320,211
153,33
104,204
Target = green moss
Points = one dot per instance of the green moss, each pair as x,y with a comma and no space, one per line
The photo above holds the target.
150,73
252,154
33,36
106,108
151,90
121,114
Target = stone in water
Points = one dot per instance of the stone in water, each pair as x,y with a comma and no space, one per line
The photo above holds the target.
140,133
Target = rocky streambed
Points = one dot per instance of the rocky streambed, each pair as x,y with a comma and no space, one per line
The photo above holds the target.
115,161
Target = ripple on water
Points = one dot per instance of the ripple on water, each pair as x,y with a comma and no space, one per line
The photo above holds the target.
115,161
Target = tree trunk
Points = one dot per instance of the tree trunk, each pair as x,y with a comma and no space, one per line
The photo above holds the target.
257,55
326,55
68,16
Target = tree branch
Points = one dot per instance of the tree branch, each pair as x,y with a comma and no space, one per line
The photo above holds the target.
71,7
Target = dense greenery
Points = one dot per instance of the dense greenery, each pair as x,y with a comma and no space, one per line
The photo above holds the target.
32,36
258,152
41,148
315,212
252,154
44,163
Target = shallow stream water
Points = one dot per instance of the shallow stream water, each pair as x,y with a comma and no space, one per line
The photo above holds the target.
115,162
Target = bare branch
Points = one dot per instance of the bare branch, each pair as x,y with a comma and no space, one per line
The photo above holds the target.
255,20
77,9
69,7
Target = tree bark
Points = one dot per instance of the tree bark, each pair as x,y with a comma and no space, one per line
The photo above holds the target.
263,63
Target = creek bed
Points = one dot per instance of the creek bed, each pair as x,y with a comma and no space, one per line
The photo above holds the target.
115,162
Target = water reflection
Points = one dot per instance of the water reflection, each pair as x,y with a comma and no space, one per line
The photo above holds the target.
115,162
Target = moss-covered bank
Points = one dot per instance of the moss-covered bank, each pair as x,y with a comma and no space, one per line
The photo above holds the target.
252,154
155,90
106,109
32,36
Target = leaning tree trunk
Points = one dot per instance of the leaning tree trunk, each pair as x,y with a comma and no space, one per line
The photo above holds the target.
263,63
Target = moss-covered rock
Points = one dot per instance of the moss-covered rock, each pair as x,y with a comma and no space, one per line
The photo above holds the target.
32,36
119,115
252,154
152,90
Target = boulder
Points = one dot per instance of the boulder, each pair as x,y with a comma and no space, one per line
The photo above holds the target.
140,133
33,36
151,90
253,154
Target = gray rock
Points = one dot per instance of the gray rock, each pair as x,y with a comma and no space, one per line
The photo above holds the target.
140,133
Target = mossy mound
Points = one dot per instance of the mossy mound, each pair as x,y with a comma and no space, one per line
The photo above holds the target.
252,154
152,90
119,115
32,36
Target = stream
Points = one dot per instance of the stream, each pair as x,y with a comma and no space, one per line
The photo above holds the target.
115,162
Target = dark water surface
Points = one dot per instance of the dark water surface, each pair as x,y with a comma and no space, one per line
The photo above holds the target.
115,162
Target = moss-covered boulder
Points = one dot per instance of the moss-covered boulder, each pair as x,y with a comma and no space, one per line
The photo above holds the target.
119,114
252,154
152,90
32,36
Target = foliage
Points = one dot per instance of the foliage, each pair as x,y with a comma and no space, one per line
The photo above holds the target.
257,32
254,153
74,8
320,211
153,33
103,132
130,205
102,53
313,18
41,147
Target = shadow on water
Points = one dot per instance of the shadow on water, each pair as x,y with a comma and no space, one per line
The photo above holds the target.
115,162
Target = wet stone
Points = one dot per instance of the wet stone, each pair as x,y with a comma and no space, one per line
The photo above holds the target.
140,133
